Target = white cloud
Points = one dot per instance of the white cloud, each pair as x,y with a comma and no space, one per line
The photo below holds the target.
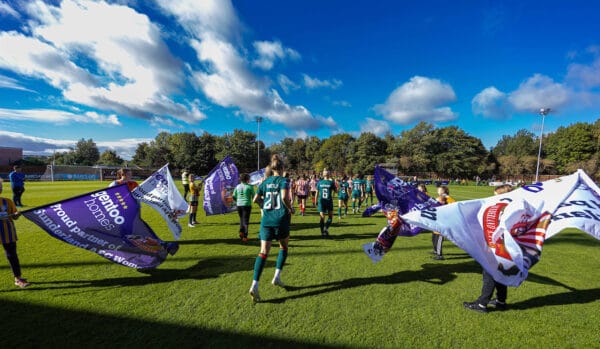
313,83
539,91
377,127
10,83
270,51
53,116
420,99
585,76
342,103
491,103
125,148
8,10
100,55
286,84
227,80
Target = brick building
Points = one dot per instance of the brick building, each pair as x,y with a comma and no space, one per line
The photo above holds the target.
10,155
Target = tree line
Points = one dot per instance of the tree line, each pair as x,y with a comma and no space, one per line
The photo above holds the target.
449,152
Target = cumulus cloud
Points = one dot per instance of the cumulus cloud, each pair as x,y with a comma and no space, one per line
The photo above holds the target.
53,116
286,84
377,127
270,51
539,91
584,76
491,103
313,83
226,79
125,148
420,99
124,67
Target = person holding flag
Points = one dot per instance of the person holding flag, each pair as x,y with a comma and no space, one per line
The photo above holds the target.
325,188
273,198
194,198
489,284
124,176
437,239
8,235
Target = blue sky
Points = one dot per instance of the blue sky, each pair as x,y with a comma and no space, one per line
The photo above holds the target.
120,72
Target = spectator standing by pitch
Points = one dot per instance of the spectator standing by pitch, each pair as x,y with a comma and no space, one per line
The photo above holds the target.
8,235
17,184
186,184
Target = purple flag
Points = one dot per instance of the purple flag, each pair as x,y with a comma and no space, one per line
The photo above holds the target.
219,186
396,197
106,222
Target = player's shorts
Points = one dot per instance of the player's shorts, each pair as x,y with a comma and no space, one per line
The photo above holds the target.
356,194
194,203
275,233
325,206
343,197
301,196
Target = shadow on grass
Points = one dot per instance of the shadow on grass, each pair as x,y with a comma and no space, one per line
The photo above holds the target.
575,238
204,269
564,298
434,273
62,328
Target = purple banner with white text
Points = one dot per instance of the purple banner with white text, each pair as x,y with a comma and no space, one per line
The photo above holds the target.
219,186
106,222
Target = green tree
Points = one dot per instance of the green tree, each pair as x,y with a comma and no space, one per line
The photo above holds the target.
457,154
86,153
110,158
335,153
575,144
205,159
184,150
369,151
241,147
523,143
414,148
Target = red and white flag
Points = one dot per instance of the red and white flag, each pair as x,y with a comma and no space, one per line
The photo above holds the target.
506,233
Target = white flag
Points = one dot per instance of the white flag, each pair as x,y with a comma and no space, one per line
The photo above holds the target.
506,233
160,192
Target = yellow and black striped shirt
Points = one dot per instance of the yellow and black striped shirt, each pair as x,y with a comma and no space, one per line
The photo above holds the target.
8,232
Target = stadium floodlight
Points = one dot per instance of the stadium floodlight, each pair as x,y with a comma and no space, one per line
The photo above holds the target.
543,113
259,119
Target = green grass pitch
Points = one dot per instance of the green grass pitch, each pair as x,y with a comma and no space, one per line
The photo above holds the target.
337,298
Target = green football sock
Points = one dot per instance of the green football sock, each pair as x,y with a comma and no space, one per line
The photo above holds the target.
259,265
281,257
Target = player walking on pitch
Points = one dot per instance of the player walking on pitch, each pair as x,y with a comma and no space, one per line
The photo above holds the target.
272,196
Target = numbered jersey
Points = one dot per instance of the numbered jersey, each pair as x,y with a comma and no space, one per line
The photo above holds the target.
357,185
326,187
273,208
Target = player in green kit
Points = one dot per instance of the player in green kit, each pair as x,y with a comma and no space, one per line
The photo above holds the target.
358,193
343,189
369,188
325,188
272,196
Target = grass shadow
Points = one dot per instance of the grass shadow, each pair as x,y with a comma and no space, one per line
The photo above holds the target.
564,298
204,269
438,274
65,328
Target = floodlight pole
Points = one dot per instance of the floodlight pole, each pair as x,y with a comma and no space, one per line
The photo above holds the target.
543,113
258,121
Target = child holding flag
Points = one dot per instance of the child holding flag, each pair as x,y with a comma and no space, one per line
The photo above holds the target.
8,235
